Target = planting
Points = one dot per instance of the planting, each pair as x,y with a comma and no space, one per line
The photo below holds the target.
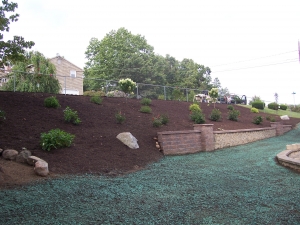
215,115
96,99
230,107
2,115
197,117
254,110
120,117
257,120
145,109
56,138
233,115
71,116
194,108
146,101
51,102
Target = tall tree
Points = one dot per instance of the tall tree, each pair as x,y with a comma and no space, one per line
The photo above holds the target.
11,50
34,74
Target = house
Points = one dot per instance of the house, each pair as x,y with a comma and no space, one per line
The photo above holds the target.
4,74
69,76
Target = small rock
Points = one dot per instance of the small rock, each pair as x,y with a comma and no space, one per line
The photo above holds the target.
10,154
33,159
23,156
41,168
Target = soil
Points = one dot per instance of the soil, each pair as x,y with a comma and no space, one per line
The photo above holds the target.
95,149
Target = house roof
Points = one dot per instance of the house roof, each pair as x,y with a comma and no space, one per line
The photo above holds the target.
62,58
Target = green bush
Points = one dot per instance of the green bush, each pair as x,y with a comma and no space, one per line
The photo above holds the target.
258,105
146,101
254,110
71,116
94,93
273,106
96,99
230,107
270,118
56,138
233,115
164,119
145,109
215,115
283,107
161,97
120,117
51,102
157,121
257,120
197,117
195,108
2,115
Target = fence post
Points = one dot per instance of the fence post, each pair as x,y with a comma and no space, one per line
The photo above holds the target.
165,92
65,86
137,90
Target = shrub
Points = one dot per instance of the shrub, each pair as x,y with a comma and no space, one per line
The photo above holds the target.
2,115
164,119
145,109
127,85
233,115
270,118
56,138
273,106
71,116
258,105
197,117
157,121
51,102
215,115
283,107
195,108
257,120
161,97
146,101
230,107
94,93
96,99
254,110
120,117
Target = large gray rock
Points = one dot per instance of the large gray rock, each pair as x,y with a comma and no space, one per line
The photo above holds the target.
10,154
128,139
41,168
285,117
23,156
33,159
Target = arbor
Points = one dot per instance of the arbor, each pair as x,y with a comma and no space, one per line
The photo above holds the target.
34,74
11,50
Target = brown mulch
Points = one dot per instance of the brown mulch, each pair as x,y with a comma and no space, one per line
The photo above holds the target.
95,148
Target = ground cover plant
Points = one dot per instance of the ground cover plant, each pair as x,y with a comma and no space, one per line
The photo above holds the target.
56,138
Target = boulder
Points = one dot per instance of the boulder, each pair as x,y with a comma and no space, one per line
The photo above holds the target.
128,139
41,168
10,154
33,159
23,156
285,117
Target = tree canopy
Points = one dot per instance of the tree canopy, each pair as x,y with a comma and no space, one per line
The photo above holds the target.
33,74
11,50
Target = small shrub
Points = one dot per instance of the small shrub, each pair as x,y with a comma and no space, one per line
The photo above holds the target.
146,101
164,119
283,107
71,116
270,118
96,99
120,117
273,106
157,121
56,138
51,102
197,117
257,120
230,107
215,115
233,115
2,115
195,108
161,97
258,105
94,93
254,110
145,109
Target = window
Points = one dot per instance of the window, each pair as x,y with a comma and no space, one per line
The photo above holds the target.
72,73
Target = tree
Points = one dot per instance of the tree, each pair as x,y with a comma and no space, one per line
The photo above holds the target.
11,50
217,83
34,74
214,93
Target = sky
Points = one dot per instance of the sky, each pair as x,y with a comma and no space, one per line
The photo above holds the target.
250,46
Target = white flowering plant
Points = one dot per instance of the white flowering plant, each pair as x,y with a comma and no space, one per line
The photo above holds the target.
214,93
127,85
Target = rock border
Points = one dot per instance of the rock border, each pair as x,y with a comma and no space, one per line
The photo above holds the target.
287,161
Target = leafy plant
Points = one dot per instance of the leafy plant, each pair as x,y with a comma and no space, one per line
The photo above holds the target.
94,93
283,107
145,109
2,115
215,115
71,116
230,107
257,120
96,99
164,119
161,97
51,102
157,121
270,118
146,101
197,117
273,106
127,85
233,115
120,117
214,93
254,110
56,138
195,108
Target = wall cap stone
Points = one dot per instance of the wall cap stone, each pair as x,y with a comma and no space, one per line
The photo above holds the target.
243,130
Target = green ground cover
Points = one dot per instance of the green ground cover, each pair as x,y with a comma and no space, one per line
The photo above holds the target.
238,185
